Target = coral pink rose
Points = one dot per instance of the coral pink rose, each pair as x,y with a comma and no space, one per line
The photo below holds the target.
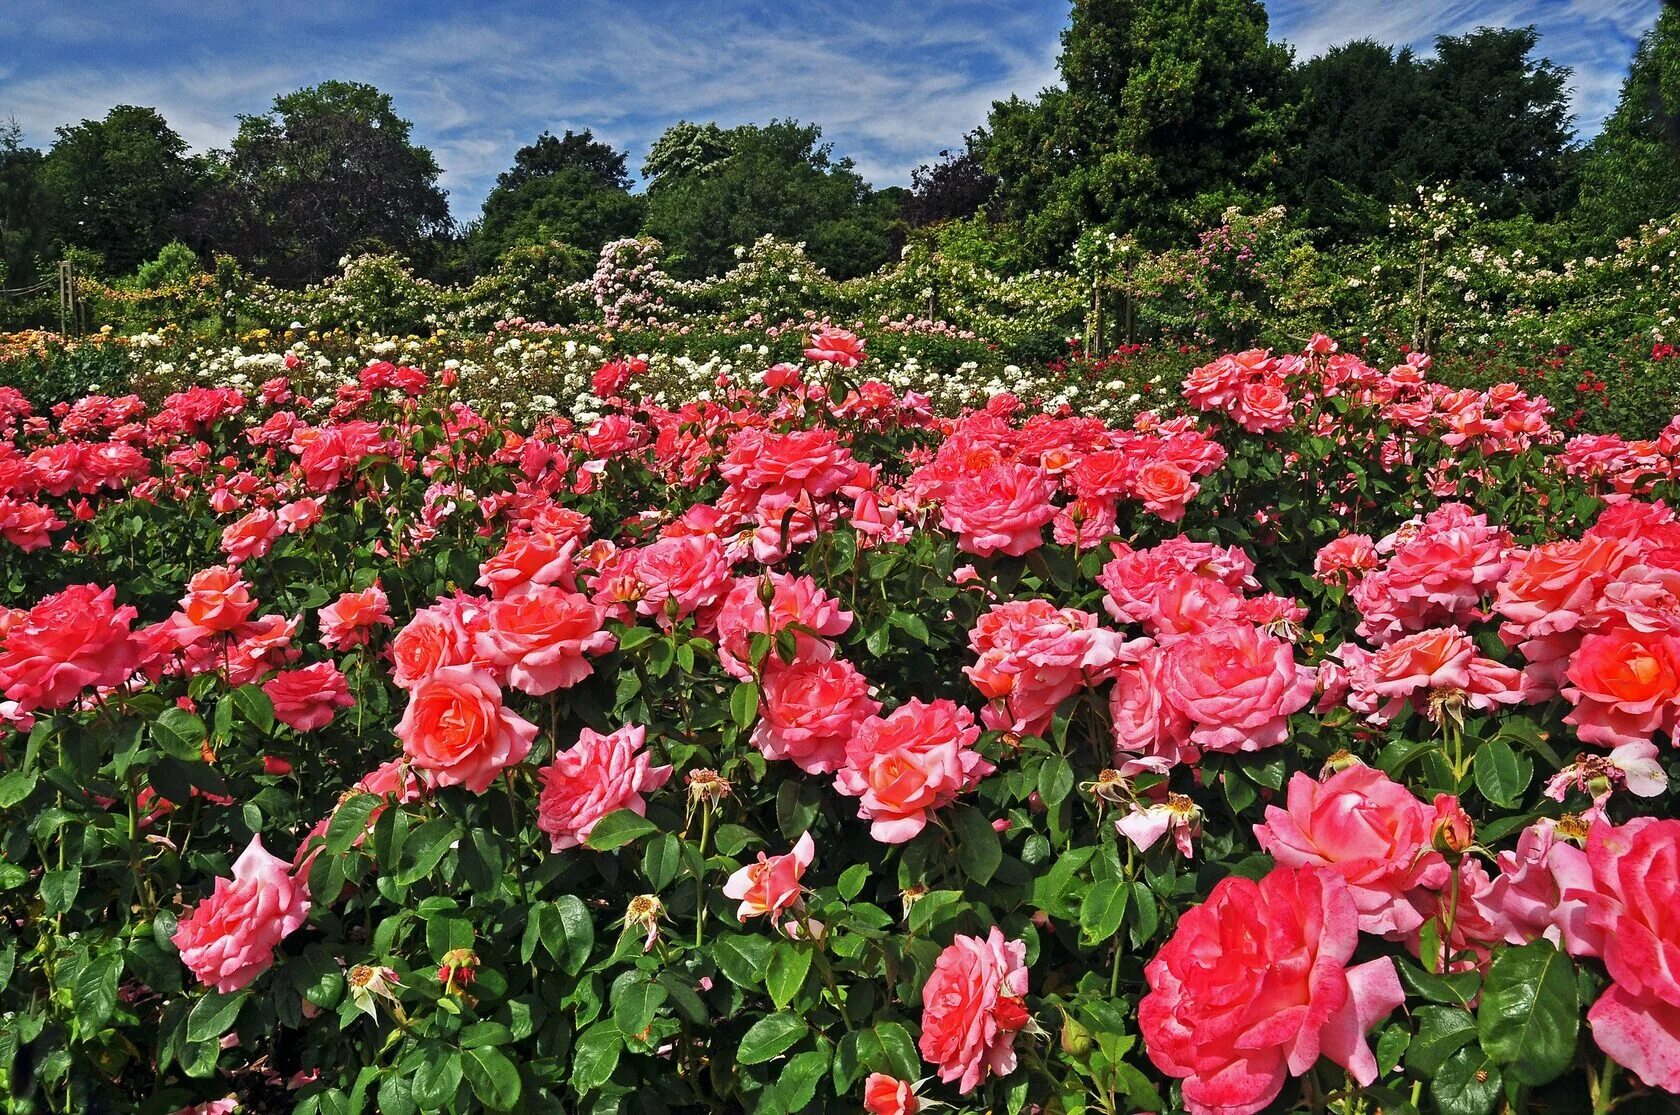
594,777
904,766
306,699
1367,828
250,537
831,345
299,515
217,601
1631,911
69,642
535,558
809,710
350,620
1165,489
1254,987
540,635
456,729
887,1095
972,1008
1625,686
1001,509
229,938
1237,686
771,885
444,634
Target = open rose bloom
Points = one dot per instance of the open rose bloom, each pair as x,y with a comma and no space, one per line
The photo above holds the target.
229,938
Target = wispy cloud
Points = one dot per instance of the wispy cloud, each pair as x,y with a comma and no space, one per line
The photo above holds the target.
891,81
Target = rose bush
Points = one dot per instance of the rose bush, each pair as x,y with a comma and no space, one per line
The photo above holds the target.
1304,743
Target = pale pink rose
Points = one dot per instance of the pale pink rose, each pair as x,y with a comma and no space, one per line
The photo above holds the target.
1145,722
1368,829
596,776
229,938
809,710
771,885
1528,892
457,730
299,515
972,1008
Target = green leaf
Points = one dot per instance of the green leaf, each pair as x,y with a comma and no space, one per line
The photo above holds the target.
435,1077
852,880
1441,1032
743,704
1055,781
789,965
180,733
16,786
58,889
213,1015
350,822
254,707
770,1037
979,851
634,1005
493,1077
1103,909
744,959
96,991
1501,774
619,828
595,1056
1529,1015
661,861
424,848
1468,1084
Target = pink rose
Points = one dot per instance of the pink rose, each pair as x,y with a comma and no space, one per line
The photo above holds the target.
540,634
350,620
306,699
229,938
1003,508
680,575
1625,686
1237,687
793,600
809,710
1636,877
772,884
68,643
1279,996
456,729
910,763
886,1095
1370,830
594,777
972,1009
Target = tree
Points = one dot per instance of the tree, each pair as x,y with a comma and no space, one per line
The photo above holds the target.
328,171
573,190
1631,173
1354,150
1170,109
778,179
120,186
684,150
1496,123
25,210
957,186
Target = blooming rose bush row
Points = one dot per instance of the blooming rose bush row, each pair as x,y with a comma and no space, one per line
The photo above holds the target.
1306,744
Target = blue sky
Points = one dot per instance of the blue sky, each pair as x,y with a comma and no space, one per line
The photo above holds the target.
891,81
